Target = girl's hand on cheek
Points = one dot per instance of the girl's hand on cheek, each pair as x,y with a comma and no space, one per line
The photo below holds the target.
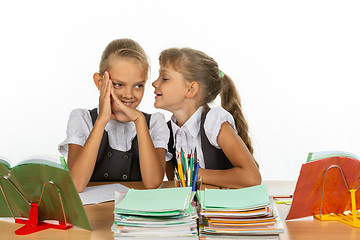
120,111
105,98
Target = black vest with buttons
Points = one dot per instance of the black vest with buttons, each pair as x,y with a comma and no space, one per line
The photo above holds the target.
214,158
114,165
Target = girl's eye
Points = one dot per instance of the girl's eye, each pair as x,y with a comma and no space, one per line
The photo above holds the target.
165,79
117,85
139,86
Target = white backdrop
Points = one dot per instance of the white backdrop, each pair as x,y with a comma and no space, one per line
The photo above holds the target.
296,66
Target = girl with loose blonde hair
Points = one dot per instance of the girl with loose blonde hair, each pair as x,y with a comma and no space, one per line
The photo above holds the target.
188,81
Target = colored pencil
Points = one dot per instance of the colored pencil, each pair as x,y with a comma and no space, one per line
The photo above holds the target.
176,175
181,175
195,177
191,169
183,161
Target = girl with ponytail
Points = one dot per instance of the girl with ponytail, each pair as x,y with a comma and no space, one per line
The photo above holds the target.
188,81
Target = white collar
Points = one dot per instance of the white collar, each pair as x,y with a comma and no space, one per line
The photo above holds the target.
191,126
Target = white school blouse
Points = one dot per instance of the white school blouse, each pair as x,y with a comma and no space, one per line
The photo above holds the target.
120,134
188,136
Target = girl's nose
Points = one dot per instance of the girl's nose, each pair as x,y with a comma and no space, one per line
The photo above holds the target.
155,83
127,93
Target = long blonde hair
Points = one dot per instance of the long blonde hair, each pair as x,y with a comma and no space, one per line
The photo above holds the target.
124,48
197,66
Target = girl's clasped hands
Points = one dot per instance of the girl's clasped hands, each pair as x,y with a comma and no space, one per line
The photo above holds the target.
110,105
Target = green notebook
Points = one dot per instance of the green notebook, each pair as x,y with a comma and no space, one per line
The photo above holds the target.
29,177
241,199
155,202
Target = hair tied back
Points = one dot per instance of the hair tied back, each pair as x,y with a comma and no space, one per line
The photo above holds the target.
222,74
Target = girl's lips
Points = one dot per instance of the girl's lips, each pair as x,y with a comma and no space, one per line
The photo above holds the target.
129,104
157,94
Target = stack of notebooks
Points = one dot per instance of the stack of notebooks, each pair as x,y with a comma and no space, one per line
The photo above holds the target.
167,213
238,212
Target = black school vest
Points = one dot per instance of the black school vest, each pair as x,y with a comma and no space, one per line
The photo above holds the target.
114,165
214,158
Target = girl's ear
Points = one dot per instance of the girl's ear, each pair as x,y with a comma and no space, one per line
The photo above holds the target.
97,80
192,90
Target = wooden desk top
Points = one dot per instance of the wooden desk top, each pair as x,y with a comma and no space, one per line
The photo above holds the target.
101,218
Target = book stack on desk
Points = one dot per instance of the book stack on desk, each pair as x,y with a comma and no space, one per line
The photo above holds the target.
237,212
166,213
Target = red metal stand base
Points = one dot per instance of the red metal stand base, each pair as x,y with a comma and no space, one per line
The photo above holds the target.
33,225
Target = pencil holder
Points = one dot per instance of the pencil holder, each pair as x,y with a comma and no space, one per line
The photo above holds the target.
195,185
186,170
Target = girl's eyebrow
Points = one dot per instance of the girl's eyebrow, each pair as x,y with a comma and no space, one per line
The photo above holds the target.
142,82
163,71
116,80
119,81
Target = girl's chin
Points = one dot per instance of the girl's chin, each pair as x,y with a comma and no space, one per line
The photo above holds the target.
158,105
161,107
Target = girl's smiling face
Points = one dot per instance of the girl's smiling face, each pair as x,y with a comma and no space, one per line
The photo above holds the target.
128,79
170,89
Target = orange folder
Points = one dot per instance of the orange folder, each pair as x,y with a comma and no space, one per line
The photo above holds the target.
336,197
